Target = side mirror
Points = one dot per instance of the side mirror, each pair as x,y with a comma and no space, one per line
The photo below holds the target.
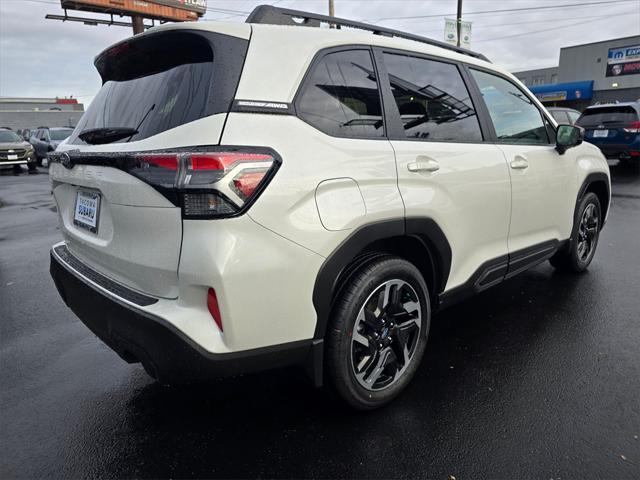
568,136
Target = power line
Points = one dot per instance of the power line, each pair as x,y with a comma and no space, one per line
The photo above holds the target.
573,24
508,10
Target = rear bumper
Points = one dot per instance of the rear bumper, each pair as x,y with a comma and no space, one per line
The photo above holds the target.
166,353
620,150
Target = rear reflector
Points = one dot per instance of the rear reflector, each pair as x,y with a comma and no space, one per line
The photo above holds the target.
207,184
214,309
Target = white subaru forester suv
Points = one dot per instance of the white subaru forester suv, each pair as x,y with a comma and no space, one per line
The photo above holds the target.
248,196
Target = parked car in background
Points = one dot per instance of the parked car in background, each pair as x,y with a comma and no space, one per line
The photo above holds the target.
564,115
26,133
46,140
615,129
15,152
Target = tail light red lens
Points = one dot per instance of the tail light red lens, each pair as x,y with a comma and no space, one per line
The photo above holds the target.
214,308
169,162
245,183
208,184
634,127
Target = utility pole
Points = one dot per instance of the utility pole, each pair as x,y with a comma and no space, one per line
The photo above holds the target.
459,20
138,24
331,13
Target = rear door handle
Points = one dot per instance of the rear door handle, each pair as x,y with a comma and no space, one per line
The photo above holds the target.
519,163
420,165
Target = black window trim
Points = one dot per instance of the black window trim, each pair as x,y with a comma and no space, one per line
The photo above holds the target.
543,113
395,128
317,58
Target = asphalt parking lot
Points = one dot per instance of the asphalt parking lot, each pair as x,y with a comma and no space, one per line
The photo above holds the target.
536,378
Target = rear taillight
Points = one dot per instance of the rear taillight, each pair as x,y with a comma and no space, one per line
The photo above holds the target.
209,184
634,127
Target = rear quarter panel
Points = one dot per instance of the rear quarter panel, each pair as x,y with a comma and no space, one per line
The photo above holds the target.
289,205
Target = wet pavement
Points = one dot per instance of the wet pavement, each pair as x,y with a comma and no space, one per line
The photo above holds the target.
536,378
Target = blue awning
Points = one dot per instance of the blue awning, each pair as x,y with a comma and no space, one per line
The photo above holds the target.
558,92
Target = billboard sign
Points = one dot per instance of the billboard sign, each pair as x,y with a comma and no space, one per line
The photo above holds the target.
623,61
451,32
165,10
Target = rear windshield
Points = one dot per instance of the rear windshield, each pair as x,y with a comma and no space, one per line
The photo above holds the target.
152,85
607,115
60,134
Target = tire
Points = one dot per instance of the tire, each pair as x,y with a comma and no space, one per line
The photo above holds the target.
584,239
362,337
33,168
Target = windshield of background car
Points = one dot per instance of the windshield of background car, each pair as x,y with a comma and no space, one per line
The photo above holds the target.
60,134
7,136
592,117
152,87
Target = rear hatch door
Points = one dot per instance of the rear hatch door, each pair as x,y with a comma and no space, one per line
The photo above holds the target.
609,124
173,87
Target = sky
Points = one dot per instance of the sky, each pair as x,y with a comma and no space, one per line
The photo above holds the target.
48,58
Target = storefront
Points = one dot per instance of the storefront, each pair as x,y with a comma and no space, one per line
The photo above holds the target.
599,72
576,95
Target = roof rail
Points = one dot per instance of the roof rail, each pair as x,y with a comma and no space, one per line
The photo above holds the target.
285,16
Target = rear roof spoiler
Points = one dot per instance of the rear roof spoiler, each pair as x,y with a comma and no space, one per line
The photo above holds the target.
266,14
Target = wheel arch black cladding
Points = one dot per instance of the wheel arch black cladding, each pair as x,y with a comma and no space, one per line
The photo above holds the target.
600,187
598,183
421,241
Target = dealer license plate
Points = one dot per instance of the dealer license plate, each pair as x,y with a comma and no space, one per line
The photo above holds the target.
600,133
87,210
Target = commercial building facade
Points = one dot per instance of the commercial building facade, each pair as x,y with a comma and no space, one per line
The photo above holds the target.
20,113
599,72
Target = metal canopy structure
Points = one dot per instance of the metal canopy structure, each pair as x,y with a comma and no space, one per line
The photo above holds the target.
283,16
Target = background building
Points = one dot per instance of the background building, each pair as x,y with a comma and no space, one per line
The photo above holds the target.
600,72
20,113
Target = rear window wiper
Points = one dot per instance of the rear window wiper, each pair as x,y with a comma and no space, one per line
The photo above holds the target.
100,136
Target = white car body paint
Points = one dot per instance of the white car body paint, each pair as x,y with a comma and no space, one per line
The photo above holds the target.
264,263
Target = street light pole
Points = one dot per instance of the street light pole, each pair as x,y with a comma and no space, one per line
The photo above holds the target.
459,20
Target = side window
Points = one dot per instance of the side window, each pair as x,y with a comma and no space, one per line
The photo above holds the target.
341,98
515,117
433,101
573,116
560,116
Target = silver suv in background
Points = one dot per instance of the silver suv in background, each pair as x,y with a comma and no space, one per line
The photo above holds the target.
46,140
564,115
